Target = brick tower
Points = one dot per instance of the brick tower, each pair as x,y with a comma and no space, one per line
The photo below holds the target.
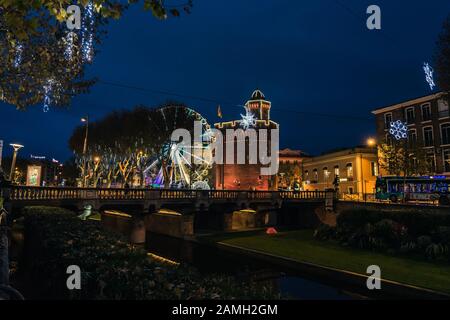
246,176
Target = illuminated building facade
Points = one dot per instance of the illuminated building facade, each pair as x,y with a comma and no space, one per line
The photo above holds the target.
290,169
355,169
246,176
428,124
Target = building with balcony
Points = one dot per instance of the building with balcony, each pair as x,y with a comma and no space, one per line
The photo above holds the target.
428,122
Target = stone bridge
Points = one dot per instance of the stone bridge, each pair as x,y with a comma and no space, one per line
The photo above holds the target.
195,209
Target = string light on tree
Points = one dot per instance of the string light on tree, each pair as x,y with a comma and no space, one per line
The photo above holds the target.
18,55
248,120
49,93
429,75
399,130
69,42
88,33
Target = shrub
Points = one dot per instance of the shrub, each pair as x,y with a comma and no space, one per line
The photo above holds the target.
423,242
111,267
325,232
407,232
436,251
417,223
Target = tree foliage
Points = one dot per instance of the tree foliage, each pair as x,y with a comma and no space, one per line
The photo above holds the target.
124,143
403,158
34,39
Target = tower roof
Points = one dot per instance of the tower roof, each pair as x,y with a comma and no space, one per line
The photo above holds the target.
257,95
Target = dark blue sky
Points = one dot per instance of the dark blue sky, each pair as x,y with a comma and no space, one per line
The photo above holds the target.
306,56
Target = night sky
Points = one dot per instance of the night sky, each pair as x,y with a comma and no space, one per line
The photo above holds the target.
306,56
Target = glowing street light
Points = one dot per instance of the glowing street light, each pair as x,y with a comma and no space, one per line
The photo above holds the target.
371,142
16,148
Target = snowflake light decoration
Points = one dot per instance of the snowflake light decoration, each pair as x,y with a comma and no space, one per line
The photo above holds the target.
429,75
248,120
399,130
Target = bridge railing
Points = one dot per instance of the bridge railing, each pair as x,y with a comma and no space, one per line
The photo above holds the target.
303,194
25,193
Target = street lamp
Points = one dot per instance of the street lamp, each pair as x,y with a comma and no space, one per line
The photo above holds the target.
86,121
16,148
371,142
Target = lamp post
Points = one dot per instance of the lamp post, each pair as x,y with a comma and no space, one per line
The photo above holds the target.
86,121
16,148
371,143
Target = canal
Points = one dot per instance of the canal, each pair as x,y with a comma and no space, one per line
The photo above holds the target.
210,260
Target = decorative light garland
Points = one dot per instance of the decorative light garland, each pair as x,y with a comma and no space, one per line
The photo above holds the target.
49,89
69,41
87,42
429,75
399,130
18,55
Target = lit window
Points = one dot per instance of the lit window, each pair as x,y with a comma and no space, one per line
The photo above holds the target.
374,169
336,171
326,173
349,170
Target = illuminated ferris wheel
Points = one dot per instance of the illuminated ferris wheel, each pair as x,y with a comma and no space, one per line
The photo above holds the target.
179,165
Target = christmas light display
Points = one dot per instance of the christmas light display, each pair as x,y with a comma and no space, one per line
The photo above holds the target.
248,120
185,166
69,42
18,56
49,90
399,130
429,75
87,41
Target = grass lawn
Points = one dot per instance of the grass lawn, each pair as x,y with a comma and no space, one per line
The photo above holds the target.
301,246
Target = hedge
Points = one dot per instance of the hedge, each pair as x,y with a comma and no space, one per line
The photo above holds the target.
417,223
413,233
111,267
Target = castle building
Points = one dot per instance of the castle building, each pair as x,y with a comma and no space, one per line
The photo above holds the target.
247,176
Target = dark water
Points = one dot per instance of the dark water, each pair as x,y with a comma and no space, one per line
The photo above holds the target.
209,260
